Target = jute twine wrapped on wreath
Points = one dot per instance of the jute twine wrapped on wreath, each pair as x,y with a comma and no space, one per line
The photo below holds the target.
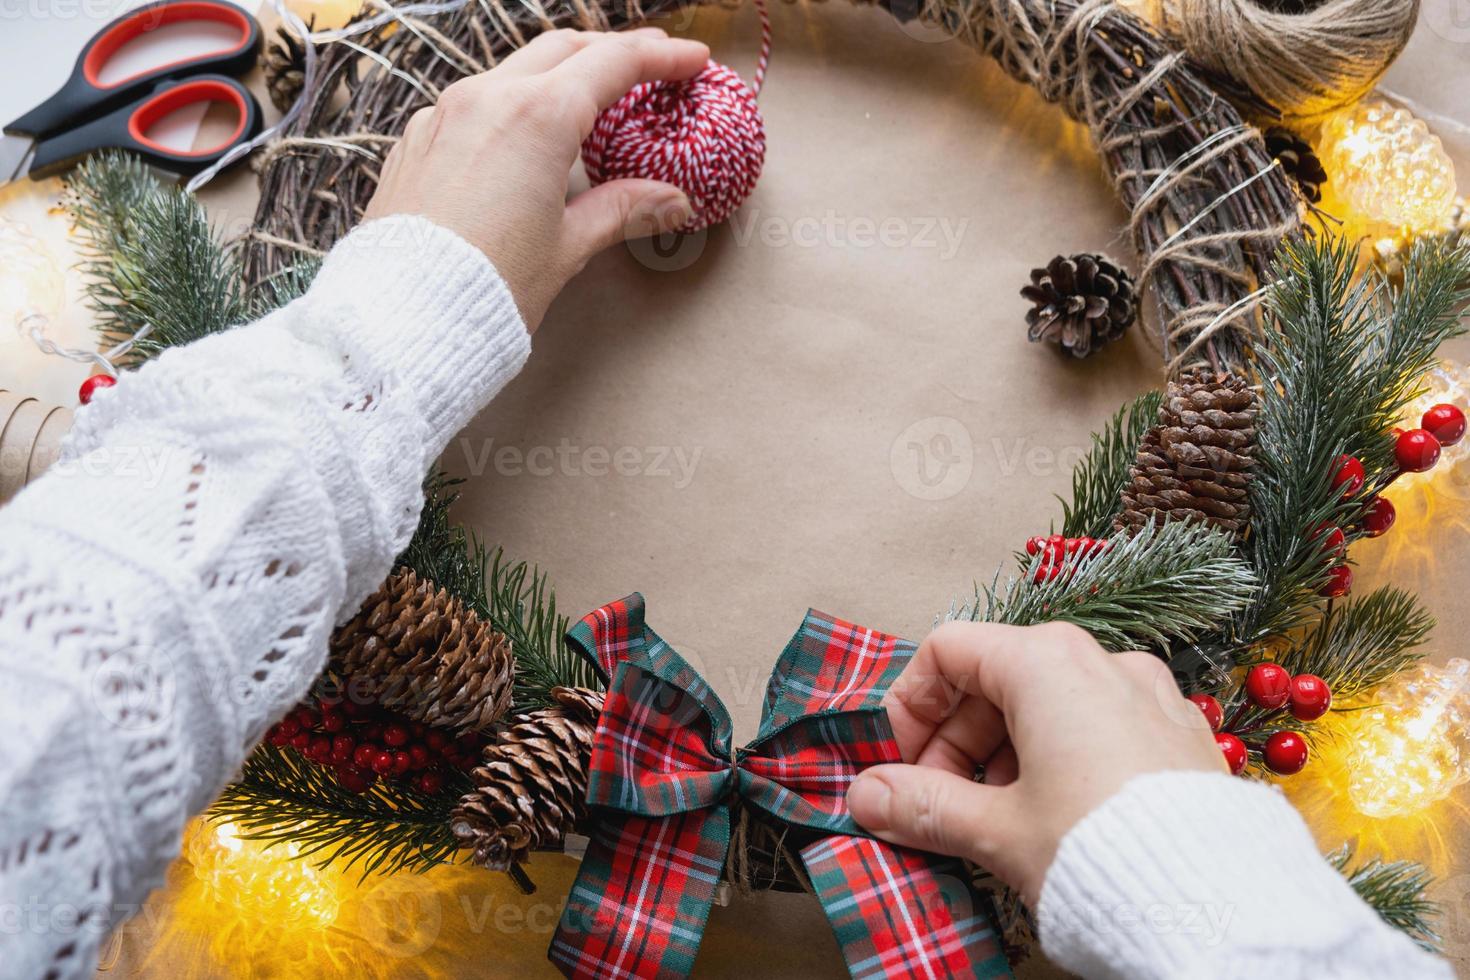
1207,206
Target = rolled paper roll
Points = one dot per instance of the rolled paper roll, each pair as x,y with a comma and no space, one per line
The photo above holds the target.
30,439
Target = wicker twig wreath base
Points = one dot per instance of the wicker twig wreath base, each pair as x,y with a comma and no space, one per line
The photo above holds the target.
1207,206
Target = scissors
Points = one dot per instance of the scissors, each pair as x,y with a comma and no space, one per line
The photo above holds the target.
86,115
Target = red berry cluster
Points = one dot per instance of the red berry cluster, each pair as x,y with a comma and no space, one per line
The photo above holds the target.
1271,689
362,742
1055,550
1417,450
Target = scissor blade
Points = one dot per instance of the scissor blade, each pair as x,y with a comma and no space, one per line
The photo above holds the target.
15,157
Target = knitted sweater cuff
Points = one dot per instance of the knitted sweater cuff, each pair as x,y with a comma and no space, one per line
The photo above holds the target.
430,308
1200,874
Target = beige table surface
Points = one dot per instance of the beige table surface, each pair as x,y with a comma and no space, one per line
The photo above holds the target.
801,414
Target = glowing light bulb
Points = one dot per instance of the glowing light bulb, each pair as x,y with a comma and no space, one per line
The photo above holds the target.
1413,748
31,281
1387,168
269,885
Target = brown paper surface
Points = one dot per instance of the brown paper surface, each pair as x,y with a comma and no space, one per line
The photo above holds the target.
833,404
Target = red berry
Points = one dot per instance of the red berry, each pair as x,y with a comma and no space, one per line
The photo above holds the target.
1233,750
430,782
1416,451
1445,422
301,741
1285,753
333,722
320,749
307,718
420,755
395,735
1339,582
1310,697
93,385
355,780
353,709
276,737
1035,544
1046,572
1333,541
402,763
1210,708
343,748
1349,476
1268,686
1379,517
364,754
382,763
436,740
289,727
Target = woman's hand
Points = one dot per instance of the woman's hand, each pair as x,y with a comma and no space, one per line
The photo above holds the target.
491,161
1059,725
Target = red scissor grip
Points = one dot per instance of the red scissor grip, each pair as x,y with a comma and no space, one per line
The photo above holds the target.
184,94
146,19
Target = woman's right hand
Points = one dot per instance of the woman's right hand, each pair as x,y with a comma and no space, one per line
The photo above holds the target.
1059,725
491,160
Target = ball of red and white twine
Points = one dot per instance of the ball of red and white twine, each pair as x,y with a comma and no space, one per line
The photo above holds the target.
704,135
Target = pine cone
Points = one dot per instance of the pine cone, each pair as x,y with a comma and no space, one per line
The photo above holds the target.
1298,160
1081,303
284,64
1195,465
419,650
531,784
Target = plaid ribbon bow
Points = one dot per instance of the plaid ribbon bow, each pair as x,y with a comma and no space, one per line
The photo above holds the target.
663,775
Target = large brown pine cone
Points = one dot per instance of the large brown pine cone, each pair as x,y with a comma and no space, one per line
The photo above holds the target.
417,649
1195,465
1081,302
531,784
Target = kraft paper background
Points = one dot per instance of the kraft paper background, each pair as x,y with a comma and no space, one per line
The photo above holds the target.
834,405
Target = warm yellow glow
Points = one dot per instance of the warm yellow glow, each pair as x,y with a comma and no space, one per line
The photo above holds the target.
268,884
1410,749
31,280
1387,169
325,15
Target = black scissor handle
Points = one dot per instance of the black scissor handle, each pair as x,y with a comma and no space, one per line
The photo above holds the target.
127,128
84,98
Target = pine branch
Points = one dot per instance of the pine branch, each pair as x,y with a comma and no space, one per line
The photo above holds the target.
1167,583
152,258
444,552
1340,358
1098,480
513,597
281,796
523,607
1396,891
1362,643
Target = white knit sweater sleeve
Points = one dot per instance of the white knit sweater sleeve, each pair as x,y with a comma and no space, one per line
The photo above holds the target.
1185,875
168,590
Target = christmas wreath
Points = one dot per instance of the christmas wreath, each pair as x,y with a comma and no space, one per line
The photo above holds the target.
1210,522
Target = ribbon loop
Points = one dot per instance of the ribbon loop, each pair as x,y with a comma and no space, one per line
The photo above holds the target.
662,779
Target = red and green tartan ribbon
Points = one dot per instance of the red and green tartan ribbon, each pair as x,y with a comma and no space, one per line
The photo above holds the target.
662,777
